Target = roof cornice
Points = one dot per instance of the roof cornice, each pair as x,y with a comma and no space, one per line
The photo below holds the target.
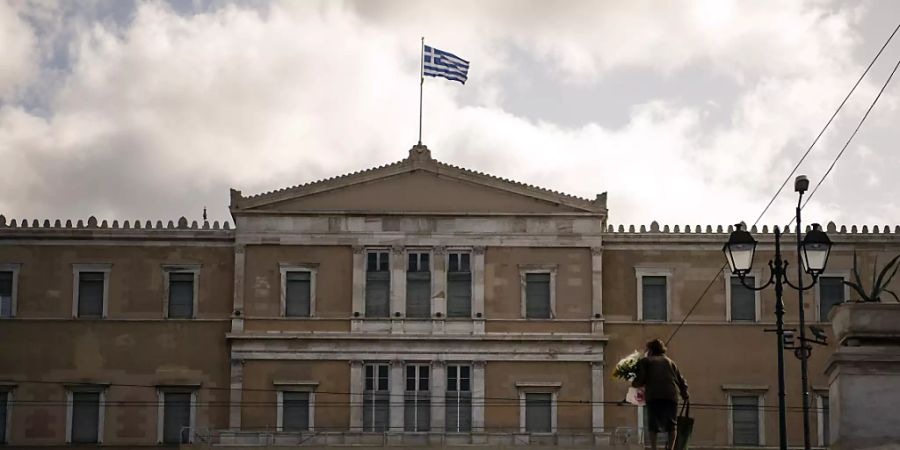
419,159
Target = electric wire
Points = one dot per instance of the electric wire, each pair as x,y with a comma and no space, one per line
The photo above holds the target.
816,140
794,170
850,139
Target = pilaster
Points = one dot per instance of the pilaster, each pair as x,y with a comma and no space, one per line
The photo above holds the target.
357,384
438,388
478,288
597,421
397,393
398,282
237,316
478,396
236,394
359,281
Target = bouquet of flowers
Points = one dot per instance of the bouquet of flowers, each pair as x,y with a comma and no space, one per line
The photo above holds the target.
626,370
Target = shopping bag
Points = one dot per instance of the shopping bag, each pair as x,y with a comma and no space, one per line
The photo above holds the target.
684,426
635,396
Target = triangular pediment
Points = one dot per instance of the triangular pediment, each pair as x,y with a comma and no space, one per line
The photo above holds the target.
417,185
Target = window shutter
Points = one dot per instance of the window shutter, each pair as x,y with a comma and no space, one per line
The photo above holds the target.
297,293
743,300
654,298
5,298
459,294
745,414
181,295
831,292
295,410
90,294
537,413
176,416
85,417
378,295
418,294
537,295
826,418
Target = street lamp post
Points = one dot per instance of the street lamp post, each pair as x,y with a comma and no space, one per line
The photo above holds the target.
813,253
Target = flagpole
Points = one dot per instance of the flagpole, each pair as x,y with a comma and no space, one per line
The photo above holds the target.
421,84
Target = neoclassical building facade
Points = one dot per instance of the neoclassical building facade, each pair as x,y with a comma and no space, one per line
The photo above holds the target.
415,303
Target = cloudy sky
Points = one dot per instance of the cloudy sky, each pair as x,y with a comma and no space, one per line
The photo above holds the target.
685,112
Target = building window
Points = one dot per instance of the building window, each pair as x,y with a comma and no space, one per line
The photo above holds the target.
181,291
458,400
742,301
418,285
653,294
746,418
85,411
298,290
91,290
4,415
537,406
296,410
376,398
459,285
378,284
417,402
9,274
177,414
538,412
824,419
831,292
538,291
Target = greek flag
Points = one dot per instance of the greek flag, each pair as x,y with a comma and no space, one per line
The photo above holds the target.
438,63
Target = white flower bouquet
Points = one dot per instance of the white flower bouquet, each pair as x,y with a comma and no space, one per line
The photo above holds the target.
626,370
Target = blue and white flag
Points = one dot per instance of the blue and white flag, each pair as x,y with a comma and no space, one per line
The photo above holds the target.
438,63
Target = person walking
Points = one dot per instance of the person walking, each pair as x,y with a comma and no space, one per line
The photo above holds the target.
662,383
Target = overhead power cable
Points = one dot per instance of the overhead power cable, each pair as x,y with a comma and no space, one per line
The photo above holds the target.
836,111
484,401
850,139
794,170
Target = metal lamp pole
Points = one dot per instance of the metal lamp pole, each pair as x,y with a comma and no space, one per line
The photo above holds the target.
777,268
812,255
801,184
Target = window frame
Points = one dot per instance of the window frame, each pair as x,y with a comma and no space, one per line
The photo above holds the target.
640,273
747,391
390,280
168,269
161,392
418,251
458,391
374,393
77,269
308,387
460,251
524,271
756,297
313,269
845,275
530,387
70,410
14,293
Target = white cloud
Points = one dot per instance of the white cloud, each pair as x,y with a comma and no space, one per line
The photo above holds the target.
158,117
18,62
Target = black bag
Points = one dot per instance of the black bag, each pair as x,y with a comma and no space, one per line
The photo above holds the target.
684,426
